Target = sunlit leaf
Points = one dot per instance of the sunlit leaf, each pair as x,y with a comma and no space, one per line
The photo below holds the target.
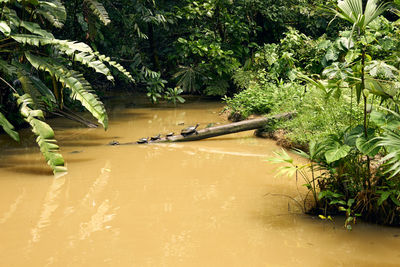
336,151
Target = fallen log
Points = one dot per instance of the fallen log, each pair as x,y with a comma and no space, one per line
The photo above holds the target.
235,127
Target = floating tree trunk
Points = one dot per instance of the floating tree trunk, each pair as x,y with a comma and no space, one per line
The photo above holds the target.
220,130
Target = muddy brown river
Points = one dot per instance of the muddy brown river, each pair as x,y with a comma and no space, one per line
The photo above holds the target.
204,203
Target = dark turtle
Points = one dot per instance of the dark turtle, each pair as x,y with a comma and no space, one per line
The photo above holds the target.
154,138
189,130
169,135
142,140
113,143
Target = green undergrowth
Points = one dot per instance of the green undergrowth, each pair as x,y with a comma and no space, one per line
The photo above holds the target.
347,105
316,117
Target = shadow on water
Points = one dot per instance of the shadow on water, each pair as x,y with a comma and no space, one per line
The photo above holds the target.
34,171
82,144
84,137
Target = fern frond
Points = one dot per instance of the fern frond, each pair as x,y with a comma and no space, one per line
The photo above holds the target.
80,88
86,56
81,52
116,65
91,61
98,10
45,134
69,47
8,128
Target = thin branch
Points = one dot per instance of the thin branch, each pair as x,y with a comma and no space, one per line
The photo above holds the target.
15,90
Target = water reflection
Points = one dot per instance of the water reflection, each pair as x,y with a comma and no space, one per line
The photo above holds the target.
13,207
186,204
89,200
50,204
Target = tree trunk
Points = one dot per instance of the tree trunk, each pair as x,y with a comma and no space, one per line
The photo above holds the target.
223,129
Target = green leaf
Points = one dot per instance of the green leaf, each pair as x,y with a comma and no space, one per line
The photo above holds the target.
383,197
351,137
7,68
8,128
336,151
337,71
115,65
80,88
53,11
395,200
368,146
379,118
380,69
99,10
332,54
4,28
35,29
388,121
45,134
342,208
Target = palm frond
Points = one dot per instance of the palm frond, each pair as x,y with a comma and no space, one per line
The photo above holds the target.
373,10
352,11
187,78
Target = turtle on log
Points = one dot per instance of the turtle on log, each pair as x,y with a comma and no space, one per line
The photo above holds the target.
189,130
113,143
154,138
142,140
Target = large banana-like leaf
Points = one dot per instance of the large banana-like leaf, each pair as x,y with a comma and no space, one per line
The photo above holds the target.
98,10
8,127
45,134
53,11
80,88
35,29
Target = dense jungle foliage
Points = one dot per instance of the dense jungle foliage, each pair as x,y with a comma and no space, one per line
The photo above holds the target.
335,63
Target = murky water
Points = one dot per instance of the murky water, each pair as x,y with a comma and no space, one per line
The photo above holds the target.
205,203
